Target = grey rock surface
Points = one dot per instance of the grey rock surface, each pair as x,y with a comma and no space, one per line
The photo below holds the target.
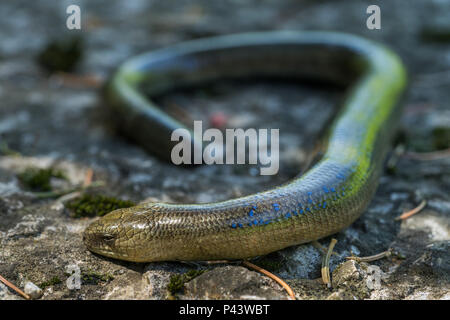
6,294
232,282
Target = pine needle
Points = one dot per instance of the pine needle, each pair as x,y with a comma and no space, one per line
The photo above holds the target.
272,276
13,287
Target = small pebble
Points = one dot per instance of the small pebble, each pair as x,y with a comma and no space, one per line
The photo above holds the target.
347,271
33,290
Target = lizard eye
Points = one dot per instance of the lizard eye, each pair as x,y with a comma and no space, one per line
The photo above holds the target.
107,237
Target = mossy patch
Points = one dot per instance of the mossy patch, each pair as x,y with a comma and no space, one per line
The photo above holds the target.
441,138
36,179
269,264
92,277
61,55
437,32
96,205
428,141
177,281
53,281
5,150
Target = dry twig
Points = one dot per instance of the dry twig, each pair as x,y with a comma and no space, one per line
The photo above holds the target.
375,257
407,214
272,276
13,287
326,264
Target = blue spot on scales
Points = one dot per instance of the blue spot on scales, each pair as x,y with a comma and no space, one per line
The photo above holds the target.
340,176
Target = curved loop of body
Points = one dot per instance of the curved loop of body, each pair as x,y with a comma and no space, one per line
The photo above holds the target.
324,200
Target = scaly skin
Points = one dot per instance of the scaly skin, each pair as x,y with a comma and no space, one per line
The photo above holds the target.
323,201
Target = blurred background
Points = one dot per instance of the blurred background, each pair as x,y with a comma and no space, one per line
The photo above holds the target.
52,117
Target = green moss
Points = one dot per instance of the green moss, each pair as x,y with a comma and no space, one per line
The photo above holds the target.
96,205
92,277
441,138
53,281
269,264
436,139
61,55
191,274
37,179
7,151
438,33
177,281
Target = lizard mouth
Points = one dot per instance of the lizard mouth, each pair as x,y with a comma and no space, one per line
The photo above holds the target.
98,241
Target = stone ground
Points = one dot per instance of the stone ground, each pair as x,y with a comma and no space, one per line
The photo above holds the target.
53,122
